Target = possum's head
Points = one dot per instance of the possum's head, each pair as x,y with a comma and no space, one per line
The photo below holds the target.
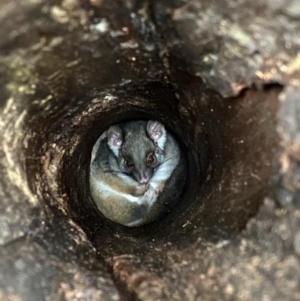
138,146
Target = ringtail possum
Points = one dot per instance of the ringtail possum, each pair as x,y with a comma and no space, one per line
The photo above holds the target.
130,165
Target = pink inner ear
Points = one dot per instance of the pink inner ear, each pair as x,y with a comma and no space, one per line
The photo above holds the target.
115,138
156,135
155,130
117,142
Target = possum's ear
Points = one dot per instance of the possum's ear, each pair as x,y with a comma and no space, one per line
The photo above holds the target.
115,138
157,133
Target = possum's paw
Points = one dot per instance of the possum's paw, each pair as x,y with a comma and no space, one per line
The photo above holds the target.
141,189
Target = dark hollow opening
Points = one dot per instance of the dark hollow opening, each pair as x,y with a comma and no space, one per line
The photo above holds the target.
228,161
139,104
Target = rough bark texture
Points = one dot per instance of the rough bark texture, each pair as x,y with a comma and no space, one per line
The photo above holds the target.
210,71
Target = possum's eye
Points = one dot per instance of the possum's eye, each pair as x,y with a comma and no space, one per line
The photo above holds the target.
151,159
129,163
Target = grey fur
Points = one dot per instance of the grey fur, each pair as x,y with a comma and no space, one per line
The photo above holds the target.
147,181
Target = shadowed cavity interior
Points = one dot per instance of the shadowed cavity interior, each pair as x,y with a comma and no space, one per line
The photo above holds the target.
228,145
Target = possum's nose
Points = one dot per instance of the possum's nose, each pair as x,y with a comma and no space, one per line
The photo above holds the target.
144,176
143,179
